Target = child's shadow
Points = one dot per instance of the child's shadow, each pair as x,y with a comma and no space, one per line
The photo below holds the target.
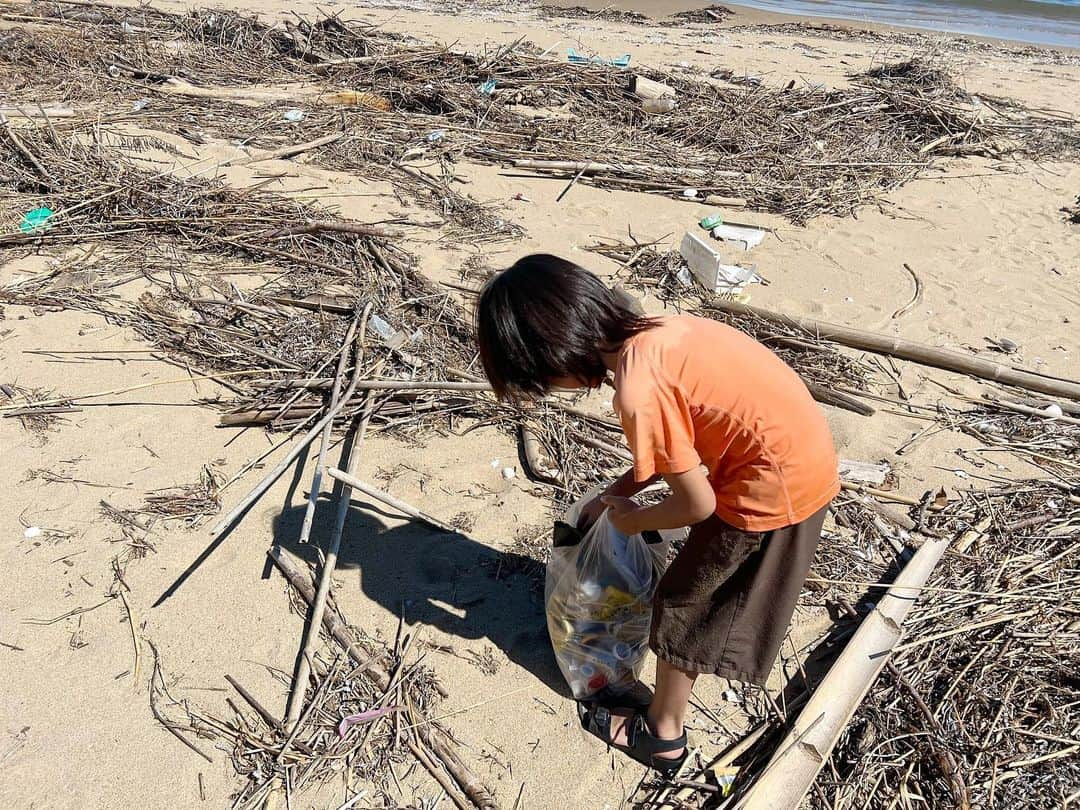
442,579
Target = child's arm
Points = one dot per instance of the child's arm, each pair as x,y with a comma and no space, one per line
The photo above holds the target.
691,501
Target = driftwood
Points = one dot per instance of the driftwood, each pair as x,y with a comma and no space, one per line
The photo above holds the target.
478,794
357,228
590,167
541,466
388,499
805,749
915,352
827,396
916,297
289,151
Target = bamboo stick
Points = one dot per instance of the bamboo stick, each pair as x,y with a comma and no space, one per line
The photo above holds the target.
311,634
322,383
910,350
388,499
590,167
278,469
804,751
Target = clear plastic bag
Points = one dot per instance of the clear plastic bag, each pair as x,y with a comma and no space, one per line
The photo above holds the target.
598,594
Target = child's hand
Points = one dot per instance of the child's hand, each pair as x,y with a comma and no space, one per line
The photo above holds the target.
623,513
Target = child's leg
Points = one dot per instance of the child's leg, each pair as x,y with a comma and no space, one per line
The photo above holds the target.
668,710
667,713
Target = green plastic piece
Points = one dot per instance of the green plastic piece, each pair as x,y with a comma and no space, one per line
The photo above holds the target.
35,220
711,221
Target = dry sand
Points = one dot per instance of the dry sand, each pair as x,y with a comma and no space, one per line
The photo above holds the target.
988,242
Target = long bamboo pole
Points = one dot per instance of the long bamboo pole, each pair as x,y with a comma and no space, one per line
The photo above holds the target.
806,748
591,167
910,350
311,632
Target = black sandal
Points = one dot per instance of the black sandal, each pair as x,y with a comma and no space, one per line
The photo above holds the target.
642,745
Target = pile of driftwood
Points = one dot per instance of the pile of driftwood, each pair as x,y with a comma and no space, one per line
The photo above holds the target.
798,151
979,706
367,707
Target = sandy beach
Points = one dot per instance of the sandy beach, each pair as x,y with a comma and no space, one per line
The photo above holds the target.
108,611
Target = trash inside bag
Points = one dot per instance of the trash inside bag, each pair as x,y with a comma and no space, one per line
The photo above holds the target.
598,593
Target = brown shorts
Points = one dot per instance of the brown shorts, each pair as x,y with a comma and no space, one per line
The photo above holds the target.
724,604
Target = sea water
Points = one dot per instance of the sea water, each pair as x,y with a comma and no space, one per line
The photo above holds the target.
1045,22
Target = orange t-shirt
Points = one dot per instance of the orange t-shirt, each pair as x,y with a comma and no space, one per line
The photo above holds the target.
694,391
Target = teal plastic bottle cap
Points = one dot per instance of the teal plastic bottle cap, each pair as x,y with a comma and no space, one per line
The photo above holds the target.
35,220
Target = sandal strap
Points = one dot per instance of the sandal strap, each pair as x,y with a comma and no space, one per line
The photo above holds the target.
644,741
600,720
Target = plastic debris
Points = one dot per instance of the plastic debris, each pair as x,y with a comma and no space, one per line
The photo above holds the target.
658,106
1053,410
140,104
690,193
35,220
293,115
487,88
437,135
864,472
711,221
710,269
648,89
739,235
32,532
725,778
509,473
392,338
577,59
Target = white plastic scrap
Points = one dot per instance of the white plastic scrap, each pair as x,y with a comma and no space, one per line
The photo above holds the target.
508,473
863,472
739,235
293,115
32,532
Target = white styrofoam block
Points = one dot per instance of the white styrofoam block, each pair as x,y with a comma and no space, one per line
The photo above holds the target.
709,268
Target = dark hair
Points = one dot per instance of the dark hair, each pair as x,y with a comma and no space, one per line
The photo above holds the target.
546,317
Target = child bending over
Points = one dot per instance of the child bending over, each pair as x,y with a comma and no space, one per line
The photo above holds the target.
734,433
